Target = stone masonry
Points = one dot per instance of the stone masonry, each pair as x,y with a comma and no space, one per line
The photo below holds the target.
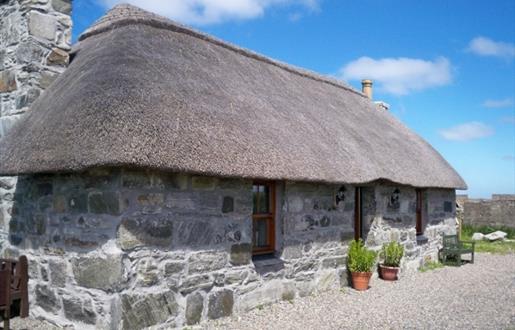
35,37
130,249
499,211
396,222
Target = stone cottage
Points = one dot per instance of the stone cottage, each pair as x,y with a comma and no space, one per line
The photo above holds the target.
168,177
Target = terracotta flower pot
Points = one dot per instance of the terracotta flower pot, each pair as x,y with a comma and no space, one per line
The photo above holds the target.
388,273
360,280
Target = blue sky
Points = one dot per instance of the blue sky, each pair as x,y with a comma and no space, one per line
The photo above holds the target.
447,68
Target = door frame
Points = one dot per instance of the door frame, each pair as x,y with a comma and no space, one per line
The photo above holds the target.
419,210
358,214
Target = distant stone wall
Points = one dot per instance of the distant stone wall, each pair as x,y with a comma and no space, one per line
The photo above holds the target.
132,248
35,37
498,211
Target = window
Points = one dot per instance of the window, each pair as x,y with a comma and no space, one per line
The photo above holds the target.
263,218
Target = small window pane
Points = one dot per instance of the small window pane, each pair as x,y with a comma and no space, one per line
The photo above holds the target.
261,233
264,199
254,198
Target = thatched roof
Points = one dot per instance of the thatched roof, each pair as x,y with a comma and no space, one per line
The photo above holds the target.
143,91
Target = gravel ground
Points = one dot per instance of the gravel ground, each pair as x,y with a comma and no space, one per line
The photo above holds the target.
478,296
29,324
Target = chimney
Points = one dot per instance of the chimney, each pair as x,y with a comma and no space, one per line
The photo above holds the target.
366,87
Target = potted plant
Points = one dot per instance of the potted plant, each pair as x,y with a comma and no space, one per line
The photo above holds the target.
391,254
360,261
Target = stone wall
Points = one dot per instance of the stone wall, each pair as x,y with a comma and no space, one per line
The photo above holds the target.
439,218
498,211
392,217
108,246
35,37
131,249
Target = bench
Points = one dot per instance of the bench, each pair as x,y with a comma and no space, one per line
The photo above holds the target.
14,296
454,248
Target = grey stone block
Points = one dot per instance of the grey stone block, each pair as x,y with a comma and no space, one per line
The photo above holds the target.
334,262
170,181
42,25
76,309
104,273
36,224
241,254
172,268
136,179
207,261
47,299
196,282
148,274
141,310
105,203
220,304
145,231
77,202
152,199
29,52
194,308
57,272
62,6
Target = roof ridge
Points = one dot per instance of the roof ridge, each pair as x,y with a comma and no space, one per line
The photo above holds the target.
126,14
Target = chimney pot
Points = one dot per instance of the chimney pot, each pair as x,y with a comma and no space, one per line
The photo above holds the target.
366,87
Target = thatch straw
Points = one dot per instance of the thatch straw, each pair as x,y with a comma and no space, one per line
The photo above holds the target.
143,91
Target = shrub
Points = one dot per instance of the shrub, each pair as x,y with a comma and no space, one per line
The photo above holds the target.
360,259
392,253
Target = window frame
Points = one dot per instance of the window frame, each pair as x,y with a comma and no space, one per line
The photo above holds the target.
268,217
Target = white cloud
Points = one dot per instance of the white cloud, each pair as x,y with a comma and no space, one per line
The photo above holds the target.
467,131
488,47
505,103
203,12
399,76
509,158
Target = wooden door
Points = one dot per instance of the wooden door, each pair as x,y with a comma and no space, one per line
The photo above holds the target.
358,214
418,225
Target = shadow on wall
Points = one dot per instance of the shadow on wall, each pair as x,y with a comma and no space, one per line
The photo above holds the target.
82,212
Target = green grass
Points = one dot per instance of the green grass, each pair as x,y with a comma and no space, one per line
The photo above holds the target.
469,230
430,265
498,247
